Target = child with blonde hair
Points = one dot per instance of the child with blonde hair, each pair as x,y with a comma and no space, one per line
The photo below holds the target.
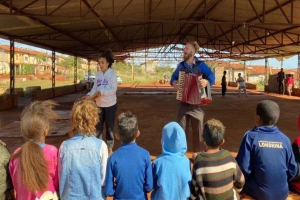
83,157
33,166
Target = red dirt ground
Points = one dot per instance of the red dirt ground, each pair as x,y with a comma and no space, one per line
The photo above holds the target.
154,111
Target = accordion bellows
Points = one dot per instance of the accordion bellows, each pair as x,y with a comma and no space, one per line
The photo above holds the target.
189,90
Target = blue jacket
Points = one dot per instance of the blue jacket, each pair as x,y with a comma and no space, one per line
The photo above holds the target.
171,170
129,173
201,68
267,162
82,168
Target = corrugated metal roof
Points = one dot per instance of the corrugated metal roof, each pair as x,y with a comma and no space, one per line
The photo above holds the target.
235,29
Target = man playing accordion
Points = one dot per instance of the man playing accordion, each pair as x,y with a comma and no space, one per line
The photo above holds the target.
187,111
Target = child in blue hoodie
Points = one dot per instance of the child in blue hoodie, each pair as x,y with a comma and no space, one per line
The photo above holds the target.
172,169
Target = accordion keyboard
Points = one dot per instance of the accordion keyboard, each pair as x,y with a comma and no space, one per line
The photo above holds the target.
180,85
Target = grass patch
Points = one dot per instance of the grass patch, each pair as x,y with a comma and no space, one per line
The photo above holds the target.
43,83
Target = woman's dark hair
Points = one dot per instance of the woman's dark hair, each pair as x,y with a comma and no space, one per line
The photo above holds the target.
108,55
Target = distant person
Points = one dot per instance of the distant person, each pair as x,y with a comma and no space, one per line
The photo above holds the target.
83,157
166,78
65,74
33,166
216,175
129,170
224,84
280,81
241,85
266,157
6,187
289,84
172,169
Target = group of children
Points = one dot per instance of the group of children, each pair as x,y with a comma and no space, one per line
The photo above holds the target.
81,168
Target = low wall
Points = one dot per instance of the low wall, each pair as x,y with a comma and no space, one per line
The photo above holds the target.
18,91
250,86
232,84
272,84
8,101
58,91
31,89
296,92
42,94
80,87
68,89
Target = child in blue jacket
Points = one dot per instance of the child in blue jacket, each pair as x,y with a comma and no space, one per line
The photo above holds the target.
266,157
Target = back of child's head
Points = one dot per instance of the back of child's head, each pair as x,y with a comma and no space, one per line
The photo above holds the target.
127,127
173,139
224,72
268,111
85,117
35,124
213,133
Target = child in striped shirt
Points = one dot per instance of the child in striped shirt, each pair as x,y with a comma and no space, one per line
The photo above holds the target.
216,175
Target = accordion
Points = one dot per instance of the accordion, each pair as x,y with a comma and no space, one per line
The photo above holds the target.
189,90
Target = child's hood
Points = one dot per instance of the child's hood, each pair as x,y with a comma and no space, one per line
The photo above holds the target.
173,139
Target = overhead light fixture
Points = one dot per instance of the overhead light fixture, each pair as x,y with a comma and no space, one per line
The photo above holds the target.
233,42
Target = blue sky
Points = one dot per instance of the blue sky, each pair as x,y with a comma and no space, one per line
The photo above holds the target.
289,63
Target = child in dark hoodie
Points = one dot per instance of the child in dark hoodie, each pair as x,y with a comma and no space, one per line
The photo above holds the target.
171,170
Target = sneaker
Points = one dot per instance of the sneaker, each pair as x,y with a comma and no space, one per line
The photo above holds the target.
110,151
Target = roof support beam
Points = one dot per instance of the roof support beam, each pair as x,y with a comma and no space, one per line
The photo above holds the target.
284,14
184,9
254,9
192,15
91,8
102,23
217,2
27,5
255,18
124,8
50,26
262,37
58,7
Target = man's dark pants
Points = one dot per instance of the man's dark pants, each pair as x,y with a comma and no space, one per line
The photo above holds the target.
195,114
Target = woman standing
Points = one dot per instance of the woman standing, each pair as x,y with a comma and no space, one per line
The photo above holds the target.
106,84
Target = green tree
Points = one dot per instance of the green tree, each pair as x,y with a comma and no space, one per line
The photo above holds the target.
68,62
28,69
40,59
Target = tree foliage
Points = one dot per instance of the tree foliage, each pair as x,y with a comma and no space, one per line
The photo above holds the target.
68,62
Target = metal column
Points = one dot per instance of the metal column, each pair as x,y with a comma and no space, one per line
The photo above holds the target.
53,72
266,71
89,69
75,71
245,76
12,65
298,77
